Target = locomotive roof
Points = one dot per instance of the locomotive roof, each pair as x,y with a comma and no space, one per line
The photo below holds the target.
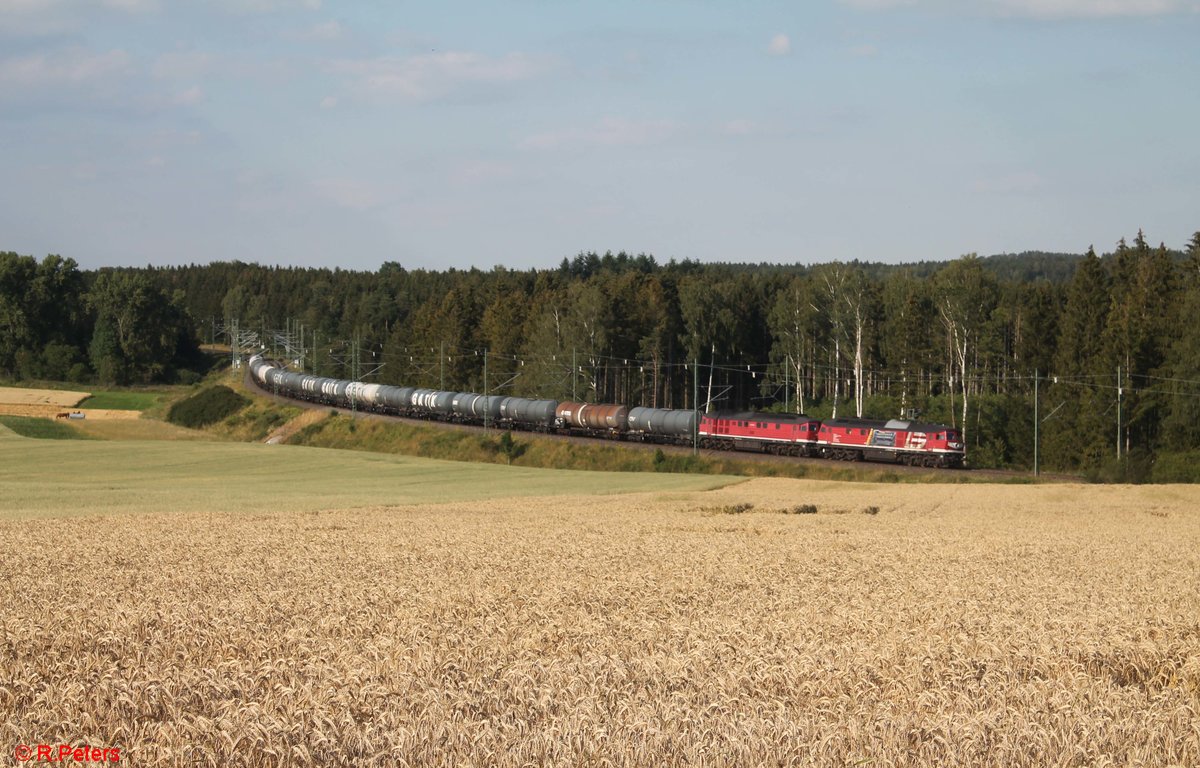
897,424
758,416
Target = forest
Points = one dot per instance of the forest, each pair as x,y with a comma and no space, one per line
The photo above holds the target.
1100,352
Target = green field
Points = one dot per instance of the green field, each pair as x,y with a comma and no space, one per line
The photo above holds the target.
123,400
42,429
44,477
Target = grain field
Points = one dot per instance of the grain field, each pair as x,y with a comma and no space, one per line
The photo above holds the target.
55,398
884,625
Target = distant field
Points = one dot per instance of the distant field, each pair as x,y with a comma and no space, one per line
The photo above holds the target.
123,400
43,477
98,406
41,428
19,401
136,429
55,397
896,625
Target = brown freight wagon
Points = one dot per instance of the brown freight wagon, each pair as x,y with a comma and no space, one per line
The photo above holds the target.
587,416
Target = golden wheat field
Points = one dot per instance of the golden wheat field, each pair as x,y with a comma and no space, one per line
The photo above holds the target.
57,398
897,626
40,403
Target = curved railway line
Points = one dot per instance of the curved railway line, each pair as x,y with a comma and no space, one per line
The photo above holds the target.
739,455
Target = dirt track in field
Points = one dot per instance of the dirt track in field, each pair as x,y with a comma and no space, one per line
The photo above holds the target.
53,411
51,403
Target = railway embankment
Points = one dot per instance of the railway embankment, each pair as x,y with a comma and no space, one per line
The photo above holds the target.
356,430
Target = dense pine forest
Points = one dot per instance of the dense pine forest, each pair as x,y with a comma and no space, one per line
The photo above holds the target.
1102,352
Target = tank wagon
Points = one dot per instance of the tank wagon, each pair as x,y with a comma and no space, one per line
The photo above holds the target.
603,420
538,415
662,425
906,442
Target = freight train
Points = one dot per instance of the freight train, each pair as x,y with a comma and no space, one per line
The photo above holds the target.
903,441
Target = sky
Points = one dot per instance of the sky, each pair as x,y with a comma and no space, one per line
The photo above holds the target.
520,132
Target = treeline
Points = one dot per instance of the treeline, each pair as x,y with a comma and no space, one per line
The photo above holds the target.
119,326
1105,342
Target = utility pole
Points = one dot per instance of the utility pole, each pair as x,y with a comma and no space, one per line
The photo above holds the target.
711,365
239,340
442,368
233,345
354,371
787,383
1120,392
696,407
356,361
1036,422
487,401
574,370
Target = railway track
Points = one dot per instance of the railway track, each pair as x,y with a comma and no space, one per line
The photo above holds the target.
999,475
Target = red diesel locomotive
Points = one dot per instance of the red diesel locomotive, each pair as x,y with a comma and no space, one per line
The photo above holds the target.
906,442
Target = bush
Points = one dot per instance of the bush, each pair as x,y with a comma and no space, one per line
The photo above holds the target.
736,509
509,448
678,462
1177,467
1134,467
57,361
208,406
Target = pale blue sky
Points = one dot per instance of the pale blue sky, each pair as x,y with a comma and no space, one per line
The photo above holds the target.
464,134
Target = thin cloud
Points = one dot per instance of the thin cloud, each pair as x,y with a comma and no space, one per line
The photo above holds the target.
435,75
349,193
1085,9
481,172
324,32
190,96
610,132
1039,9
266,6
878,5
1019,183
192,65
15,7
131,6
52,18
184,65
66,67
741,127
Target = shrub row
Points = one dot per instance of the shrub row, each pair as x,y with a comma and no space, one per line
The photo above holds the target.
208,406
